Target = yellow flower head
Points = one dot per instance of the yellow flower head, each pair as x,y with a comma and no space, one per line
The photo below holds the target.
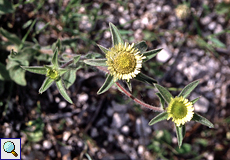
180,110
124,61
53,74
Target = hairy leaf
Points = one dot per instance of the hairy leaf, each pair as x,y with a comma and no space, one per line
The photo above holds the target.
150,54
107,84
96,62
188,89
46,84
162,101
202,120
103,49
180,132
116,37
62,90
158,118
141,46
164,92
38,70
145,79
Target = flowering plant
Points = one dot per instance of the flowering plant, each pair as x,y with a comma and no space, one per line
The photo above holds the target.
124,61
180,109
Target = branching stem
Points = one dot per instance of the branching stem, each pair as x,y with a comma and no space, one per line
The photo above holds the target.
156,109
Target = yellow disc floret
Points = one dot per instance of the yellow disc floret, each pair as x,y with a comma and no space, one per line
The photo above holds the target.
180,110
53,74
124,61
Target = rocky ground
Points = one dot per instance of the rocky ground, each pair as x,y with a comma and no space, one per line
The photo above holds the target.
111,126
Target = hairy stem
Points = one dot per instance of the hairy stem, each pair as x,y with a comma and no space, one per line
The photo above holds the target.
67,63
137,100
156,109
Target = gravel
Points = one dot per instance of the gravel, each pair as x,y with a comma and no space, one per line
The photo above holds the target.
108,126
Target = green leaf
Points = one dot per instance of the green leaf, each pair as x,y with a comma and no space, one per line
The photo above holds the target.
17,74
217,43
6,7
96,62
35,136
141,46
4,74
164,92
62,71
63,91
150,54
46,84
54,60
38,70
185,149
107,84
188,89
222,8
162,101
180,132
27,53
202,120
57,45
158,118
70,77
11,37
76,59
38,30
22,57
103,49
145,79
116,37
26,35
195,100
129,85
27,24
12,63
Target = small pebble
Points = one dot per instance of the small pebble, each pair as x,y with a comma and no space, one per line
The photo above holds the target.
47,144
62,104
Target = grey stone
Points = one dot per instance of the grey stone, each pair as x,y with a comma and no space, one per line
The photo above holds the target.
212,26
125,129
206,20
118,120
57,99
109,111
120,138
218,29
141,149
65,152
52,153
101,122
201,105
47,144
167,9
164,55
198,52
83,97
142,127
119,107
66,135
94,133
37,146
62,104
